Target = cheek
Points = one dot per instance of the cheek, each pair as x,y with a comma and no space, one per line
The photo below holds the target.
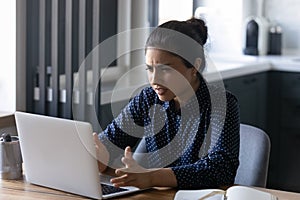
150,77
179,78
181,82
174,83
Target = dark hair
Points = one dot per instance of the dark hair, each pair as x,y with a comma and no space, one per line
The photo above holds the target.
184,39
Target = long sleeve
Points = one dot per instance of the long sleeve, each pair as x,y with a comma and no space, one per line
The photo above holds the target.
218,167
128,127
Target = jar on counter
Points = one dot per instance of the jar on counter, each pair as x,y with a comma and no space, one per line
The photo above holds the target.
275,40
10,157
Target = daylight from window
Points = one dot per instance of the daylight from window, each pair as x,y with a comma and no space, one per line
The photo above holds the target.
175,10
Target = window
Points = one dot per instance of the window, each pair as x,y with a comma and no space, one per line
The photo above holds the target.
175,10
224,21
8,54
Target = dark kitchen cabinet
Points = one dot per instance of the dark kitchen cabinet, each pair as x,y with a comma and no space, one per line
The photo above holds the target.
271,101
250,91
286,124
273,125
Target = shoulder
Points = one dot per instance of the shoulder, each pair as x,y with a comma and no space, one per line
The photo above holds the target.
232,108
221,101
231,99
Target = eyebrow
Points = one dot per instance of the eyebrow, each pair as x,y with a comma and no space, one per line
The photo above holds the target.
158,65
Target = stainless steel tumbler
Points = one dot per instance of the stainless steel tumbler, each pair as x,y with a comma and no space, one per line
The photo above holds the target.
10,157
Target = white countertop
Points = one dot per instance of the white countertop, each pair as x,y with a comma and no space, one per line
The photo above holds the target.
218,67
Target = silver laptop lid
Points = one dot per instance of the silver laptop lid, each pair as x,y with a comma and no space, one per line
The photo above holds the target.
59,153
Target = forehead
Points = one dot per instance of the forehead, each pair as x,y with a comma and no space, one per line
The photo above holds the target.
160,56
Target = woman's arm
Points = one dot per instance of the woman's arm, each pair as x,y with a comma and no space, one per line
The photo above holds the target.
126,129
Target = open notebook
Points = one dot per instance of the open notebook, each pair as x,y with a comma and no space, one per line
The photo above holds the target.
232,193
60,154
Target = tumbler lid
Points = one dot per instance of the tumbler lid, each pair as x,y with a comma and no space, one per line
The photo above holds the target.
5,137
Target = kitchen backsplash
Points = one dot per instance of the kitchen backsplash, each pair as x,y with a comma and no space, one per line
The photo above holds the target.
226,29
287,14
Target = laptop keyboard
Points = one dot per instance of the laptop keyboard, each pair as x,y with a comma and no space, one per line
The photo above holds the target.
109,189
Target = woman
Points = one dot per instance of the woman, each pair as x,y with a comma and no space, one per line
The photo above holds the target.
191,129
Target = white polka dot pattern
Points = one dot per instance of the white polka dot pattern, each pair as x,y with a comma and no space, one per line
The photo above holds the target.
204,150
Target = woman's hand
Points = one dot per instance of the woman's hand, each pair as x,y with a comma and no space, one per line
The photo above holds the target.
135,175
132,174
101,153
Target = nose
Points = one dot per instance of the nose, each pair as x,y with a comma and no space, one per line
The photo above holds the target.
154,77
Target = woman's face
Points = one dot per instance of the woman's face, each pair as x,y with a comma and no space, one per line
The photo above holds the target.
169,77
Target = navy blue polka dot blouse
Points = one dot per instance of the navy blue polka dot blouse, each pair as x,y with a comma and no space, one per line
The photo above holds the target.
199,142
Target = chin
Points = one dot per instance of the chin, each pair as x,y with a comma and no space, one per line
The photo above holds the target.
165,98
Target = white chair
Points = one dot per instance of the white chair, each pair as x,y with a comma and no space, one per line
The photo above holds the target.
254,155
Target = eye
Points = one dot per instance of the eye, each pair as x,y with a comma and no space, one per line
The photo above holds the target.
166,68
149,68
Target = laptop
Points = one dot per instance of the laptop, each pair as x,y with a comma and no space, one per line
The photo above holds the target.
60,154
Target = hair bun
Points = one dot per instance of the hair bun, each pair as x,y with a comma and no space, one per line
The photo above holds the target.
200,28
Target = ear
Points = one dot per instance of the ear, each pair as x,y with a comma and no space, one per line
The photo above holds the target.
197,64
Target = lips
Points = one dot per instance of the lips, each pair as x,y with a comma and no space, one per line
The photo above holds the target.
160,90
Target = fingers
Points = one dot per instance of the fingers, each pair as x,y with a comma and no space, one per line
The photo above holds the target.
124,180
122,171
127,160
102,154
128,153
98,145
132,174
96,139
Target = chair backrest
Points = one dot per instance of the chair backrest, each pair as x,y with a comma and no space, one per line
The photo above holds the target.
255,148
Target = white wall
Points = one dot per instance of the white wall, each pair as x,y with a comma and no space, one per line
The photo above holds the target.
8,55
224,22
287,14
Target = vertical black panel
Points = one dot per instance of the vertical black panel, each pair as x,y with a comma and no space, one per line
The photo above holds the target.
108,24
108,18
95,108
61,35
79,94
70,33
52,69
32,20
89,27
75,19
48,32
40,101
61,56
75,52
88,107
